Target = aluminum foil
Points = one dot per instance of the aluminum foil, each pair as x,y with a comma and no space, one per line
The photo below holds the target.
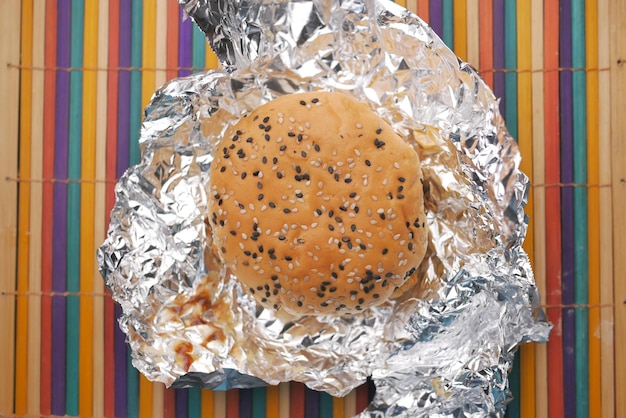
442,350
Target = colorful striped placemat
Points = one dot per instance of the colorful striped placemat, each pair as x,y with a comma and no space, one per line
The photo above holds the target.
78,74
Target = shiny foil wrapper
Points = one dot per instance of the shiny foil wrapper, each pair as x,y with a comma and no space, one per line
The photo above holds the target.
443,349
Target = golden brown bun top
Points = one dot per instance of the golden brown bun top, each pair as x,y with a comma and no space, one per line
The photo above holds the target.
316,205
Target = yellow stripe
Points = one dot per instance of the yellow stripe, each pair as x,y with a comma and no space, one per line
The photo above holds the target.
606,214
401,2
525,140
34,305
284,404
593,196
539,207
161,42
100,217
219,404
158,394
149,52
87,211
21,336
211,61
473,33
9,120
145,397
460,28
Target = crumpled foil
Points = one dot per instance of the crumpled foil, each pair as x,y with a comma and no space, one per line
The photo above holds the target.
442,350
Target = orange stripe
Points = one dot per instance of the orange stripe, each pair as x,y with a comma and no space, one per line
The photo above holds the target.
485,8
423,9
593,195
553,206
87,198
272,407
23,235
172,39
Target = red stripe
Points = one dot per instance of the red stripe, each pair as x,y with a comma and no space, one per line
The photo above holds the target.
47,204
111,163
485,8
173,23
362,398
553,207
232,403
296,400
169,403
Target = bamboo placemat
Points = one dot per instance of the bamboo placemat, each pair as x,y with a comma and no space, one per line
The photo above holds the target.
76,75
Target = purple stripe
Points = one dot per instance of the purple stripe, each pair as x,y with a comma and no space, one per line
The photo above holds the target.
120,356
435,20
185,45
245,403
123,149
312,403
567,209
59,232
123,100
498,52
182,399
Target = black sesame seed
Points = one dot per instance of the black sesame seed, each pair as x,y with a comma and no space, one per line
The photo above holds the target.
299,303
332,228
222,169
252,290
382,215
379,130
272,205
259,185
288,258
336,177
279,175
266,119
291,134
302,102
267,128
300,137
303,153
267,137
368,163
331,213
233,233
282,237
260,247
331,169
353,194
315,100
361,301
332,289
334,275
274,160
353,227
260,196
286,210
347,180
362,246
401,179
261,126
248,140
318,211
283,147
385,251
317,147
343,208
243,175
378,143
345,239
356,209
264,160
400,196
375,295
274,277
298,169
299,195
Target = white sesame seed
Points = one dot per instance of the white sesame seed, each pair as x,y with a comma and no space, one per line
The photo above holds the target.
396,237
290,265
396,165
279,139
374,198
385,181
359,126
251,206
243,211
379,169
400,254
244,236
373,222
307,124
314,225
292,120
304,227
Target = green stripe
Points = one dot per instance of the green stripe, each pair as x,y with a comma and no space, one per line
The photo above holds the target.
581,261
510,63
326,405
194,403
73,209
510,116
199,49
448,23
259,402
135,80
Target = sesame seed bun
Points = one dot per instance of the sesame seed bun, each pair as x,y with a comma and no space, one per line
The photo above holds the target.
316,205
